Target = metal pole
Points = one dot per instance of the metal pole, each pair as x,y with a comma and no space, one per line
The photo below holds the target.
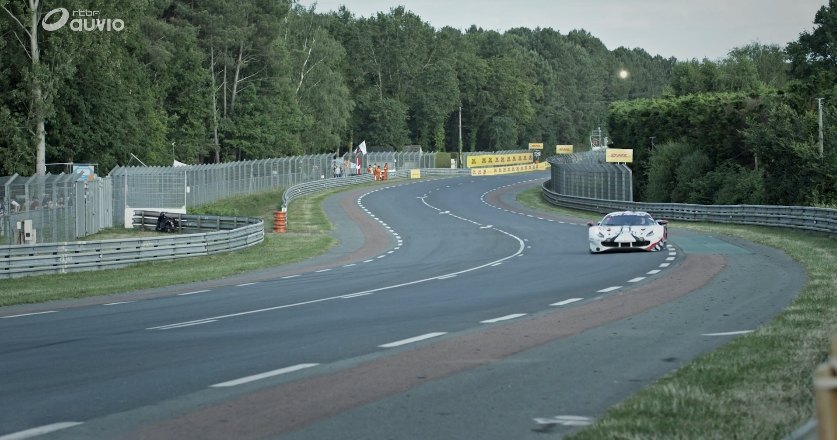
819,104
459,165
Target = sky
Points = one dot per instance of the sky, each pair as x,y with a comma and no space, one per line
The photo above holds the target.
684,29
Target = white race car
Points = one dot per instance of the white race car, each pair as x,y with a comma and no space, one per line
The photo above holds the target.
626,230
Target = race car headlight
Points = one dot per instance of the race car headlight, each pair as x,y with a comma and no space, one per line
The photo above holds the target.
601,235
650,233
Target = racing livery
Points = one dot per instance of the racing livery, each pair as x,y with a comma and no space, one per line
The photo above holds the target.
627,230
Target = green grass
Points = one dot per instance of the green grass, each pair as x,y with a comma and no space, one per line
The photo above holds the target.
308,235
759,386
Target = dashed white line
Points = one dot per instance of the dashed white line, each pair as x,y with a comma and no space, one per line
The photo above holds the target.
41,430
503,318
290,276
192,293
665,264
636,280
183,324
670,258
28,314
244,284
264,375
350,265
322,270
740,332
653,272
411,340
566,301
118,303
609,289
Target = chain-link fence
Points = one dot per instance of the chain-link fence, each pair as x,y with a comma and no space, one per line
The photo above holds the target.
176,189
52,208
589,175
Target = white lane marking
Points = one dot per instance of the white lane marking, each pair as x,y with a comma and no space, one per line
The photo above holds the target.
29,314
290,276
503,318
444,212
566,301
672,253
192,293
740,332
41,430
486,226
264,375
665,264
322,270
118,303
411,340
368,261
183,324
444,277
609,289
636,280
350,265
653,272
495,265
565,421
670,258
244,284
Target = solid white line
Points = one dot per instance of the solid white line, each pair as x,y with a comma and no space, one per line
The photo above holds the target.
609,289
566,301
444,277
411,340
41,430
192,293
503,318
741,332
636,280
244,284
118,303
261,376
29,314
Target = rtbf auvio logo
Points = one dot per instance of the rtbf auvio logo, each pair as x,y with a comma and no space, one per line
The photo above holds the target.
82,21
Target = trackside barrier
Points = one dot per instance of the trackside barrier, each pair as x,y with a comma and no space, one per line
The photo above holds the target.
227,234
795,217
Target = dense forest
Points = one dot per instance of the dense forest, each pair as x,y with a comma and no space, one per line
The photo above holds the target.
205,81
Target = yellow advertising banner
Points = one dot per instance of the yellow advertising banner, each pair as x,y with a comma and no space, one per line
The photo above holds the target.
563,149
415,174
619,155
508,169
536,146
494,160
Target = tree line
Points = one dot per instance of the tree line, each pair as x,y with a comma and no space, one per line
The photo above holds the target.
207,81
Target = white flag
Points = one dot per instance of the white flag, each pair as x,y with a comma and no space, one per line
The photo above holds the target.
361,148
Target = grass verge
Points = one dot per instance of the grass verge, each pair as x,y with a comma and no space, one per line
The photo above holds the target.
758,386
308,235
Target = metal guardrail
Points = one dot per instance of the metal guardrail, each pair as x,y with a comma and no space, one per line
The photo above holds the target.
228,234
795,217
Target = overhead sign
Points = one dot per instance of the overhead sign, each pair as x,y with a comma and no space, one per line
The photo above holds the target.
619,155
563,149
536,146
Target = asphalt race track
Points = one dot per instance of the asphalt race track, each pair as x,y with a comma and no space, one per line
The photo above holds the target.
447,311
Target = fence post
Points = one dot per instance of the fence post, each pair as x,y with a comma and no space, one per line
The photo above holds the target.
825,395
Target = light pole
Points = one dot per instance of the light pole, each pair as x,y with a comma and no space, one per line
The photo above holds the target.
459,165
